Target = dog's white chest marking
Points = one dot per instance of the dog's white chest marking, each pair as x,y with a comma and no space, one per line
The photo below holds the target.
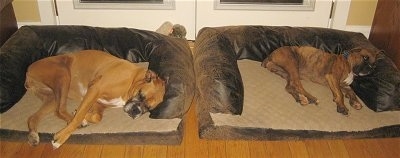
116,102
349,79
82,89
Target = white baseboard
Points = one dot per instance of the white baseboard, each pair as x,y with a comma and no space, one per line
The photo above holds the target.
359,28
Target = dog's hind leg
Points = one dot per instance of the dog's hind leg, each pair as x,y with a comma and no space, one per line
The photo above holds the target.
275,69
61,99
88,101
294,86
95,114
49,106
353,100
61,90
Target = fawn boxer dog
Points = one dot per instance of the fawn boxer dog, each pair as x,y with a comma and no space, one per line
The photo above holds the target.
336,71
97,79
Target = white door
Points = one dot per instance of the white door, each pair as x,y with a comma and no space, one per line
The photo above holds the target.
311,13
147,16
195,14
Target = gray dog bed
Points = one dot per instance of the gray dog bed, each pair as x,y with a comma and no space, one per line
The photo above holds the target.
239,99
269,108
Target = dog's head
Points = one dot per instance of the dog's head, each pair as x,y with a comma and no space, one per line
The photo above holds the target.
362,61
148,93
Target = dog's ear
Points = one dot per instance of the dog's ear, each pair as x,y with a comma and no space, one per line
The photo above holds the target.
150,75
166,79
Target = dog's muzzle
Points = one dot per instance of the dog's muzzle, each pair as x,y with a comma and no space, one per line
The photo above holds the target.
365,68
135,107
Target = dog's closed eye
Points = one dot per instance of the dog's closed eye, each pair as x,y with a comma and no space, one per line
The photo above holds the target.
142,97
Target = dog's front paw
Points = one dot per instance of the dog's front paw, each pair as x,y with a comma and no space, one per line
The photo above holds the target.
342,110
33,138
58,140
84,124
55,144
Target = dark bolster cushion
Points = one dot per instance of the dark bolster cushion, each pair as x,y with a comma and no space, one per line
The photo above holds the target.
218,79
169,57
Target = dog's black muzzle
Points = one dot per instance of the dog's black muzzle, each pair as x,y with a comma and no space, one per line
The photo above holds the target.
136,107
365,68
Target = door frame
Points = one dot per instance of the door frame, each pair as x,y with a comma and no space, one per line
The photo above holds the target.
48,16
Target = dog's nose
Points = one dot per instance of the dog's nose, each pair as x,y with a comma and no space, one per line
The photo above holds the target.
135,112
133,109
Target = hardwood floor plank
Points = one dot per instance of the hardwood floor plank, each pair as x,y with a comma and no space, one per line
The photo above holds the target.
236,148
391,146
194,147
134,151
338,149
155,151
72,150
298,149
216,149
10,149
373,148
278,149
113,151
49,152
355,148
318,148
257,149
93,151
31,151
175,151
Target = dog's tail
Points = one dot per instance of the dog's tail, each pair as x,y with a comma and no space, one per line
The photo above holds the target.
265,62
28,82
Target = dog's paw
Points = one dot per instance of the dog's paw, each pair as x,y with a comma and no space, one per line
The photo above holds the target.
342,110
356,105
313,101
33,138
59,139
303,100
55,144
84,124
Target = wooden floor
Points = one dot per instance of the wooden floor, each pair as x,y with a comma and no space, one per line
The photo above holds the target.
193,147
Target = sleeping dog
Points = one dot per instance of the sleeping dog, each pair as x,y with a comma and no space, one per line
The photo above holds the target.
336,71
99,80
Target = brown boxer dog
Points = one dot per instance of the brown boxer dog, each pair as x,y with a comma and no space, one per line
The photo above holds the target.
336,71
99,80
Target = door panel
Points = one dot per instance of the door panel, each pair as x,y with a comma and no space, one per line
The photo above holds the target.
207,16
194,15
147,19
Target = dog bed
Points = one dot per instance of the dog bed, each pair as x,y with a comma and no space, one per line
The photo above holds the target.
239,99
169,57
117,127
